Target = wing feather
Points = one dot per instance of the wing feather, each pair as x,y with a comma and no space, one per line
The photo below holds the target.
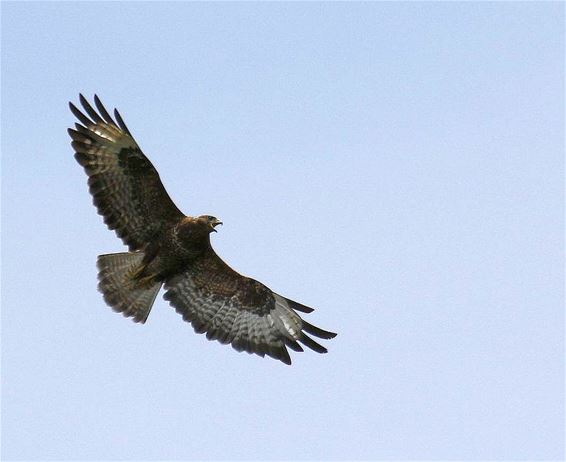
121,122
235,309
103,112
125,186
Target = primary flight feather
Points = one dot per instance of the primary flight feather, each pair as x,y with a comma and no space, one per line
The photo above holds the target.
167,248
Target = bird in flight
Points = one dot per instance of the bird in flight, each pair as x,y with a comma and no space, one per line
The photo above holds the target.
170,249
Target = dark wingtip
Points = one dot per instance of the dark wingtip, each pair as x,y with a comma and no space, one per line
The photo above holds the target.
79,115
317,331
292,344
90,110
285,358
72,107
105,115
120,121
309,342
299,307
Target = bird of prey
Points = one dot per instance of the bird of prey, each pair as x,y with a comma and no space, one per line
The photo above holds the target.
170,249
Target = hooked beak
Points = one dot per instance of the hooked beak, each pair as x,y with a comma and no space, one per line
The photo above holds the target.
215,223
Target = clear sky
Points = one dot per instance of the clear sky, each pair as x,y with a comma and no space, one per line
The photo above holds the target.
397,166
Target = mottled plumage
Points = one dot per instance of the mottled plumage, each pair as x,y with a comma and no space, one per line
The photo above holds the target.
171,249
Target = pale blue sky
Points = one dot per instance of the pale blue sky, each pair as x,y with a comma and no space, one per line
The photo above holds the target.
397,166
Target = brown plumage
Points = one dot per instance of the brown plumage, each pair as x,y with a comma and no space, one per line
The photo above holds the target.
171,249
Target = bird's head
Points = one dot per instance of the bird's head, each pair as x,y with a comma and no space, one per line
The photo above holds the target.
209,222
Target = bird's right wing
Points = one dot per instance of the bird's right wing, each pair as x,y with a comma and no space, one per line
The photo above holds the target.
125,186
235,309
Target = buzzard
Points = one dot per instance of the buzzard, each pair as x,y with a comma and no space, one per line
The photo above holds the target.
170,249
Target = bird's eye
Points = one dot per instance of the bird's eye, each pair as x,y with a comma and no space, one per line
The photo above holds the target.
210,218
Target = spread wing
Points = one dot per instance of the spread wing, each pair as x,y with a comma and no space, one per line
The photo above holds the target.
125,186
235,309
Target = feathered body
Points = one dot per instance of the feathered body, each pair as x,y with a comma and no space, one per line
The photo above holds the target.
171,249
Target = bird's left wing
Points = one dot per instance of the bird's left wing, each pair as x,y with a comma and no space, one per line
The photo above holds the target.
235,309
124,184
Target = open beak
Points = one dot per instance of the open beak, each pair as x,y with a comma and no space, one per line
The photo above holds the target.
215,223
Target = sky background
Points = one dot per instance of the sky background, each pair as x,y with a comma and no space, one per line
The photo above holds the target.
397,166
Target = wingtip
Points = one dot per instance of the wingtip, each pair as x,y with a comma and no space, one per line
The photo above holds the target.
120,121
309,342
317,331
286,359
299,306
79,115
102,110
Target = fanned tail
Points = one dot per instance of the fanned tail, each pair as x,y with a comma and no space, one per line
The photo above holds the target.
122,291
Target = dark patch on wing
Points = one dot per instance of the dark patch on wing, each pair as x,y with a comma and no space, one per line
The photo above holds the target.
235,309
